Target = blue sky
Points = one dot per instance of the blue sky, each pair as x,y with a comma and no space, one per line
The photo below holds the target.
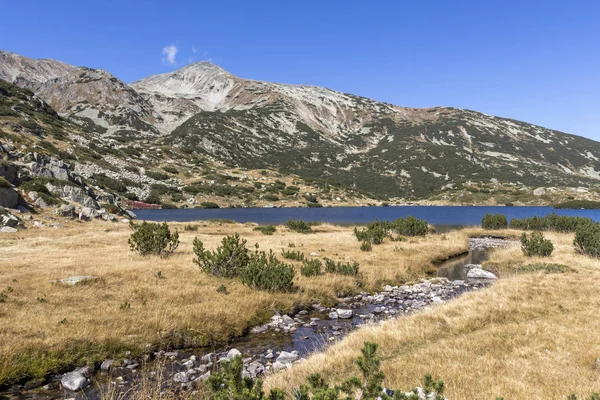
536,61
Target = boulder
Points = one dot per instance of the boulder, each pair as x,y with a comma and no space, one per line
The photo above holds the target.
233,353
74,381
9,197
10,221
278,366
8,172
7,229
74,280
344,314
180,377
287,358
88,213
106,365
479,273
67,210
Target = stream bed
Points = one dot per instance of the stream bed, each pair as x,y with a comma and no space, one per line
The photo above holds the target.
282,342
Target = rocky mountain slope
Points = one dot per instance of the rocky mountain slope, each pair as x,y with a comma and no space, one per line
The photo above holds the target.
29,73
205,120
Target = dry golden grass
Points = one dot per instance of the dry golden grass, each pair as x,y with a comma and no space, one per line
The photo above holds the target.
86,322
530,336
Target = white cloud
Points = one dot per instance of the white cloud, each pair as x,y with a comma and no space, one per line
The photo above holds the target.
169,52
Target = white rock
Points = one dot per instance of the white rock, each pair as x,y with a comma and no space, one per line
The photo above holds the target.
287,358
344,314
479,273
233,353
74,381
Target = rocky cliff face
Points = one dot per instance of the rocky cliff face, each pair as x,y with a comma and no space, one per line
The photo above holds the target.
29,73
389,151
99,101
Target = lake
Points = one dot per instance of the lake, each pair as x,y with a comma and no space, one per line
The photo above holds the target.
436,215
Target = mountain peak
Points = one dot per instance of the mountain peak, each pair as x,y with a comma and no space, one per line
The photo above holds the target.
201,79
28,72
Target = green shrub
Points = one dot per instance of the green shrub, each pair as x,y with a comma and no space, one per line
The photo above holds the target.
366,246
375,232
579,204
111,208
35,185
587,239
153,238
209,204
341,268
4,294
292,255
548,268
551,222
311,267
270,197
227,261
266,229
109,183
153,198
167,206
159,176
536,245
230,384
298,226
131,196
494,221
177,197
410,226
222,289
4,183
171,170
265,272
190,227
314,205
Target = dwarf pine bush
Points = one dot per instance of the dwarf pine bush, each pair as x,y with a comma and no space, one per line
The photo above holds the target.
536,245
366,246
551,222
298,226
375,232
229,384
341,268
265,272
227,261
410,226
257,269
153,238
292,255
494,221
266,229
587,239
311,267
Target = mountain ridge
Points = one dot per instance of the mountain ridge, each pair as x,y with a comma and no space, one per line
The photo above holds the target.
439,153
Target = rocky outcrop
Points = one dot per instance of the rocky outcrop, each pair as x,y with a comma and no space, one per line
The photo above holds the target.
28,72
73,193
50,167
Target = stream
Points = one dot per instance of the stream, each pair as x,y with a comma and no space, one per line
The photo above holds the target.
276,345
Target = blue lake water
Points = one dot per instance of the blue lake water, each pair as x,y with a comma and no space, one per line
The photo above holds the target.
436,215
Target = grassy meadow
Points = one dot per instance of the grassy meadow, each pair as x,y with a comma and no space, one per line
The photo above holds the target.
532,335
141,302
